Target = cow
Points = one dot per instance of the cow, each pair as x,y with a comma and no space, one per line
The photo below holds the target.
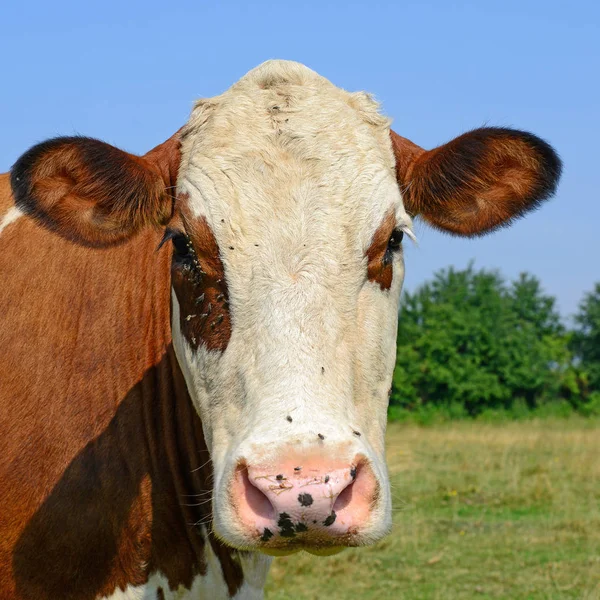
198,343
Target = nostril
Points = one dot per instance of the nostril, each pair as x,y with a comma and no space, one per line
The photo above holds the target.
255,500
346,495
362,491
344,498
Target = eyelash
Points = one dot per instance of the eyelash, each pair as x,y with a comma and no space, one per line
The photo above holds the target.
182,244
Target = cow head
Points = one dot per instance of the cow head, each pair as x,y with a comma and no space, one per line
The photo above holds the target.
291,204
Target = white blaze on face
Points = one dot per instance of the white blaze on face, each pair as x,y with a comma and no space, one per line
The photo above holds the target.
294,177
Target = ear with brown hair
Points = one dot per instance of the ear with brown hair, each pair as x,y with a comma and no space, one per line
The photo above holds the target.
93,193
479,181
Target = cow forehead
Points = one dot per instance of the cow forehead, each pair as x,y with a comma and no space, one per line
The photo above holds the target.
286,145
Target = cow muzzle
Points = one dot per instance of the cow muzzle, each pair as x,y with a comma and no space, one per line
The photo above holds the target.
318,504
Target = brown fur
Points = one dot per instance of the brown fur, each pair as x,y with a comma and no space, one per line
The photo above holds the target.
92,192
477,182
406,153
380,268
6,200
101,449
202,291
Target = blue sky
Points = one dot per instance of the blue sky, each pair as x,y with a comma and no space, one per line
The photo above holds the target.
128,72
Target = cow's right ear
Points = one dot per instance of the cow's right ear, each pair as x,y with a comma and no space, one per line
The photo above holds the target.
93,193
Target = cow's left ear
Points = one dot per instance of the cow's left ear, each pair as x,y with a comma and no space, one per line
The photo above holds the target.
477,182
93,193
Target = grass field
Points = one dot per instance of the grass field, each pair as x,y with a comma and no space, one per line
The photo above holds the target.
481,511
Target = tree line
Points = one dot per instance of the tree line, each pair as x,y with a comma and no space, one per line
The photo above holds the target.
472,344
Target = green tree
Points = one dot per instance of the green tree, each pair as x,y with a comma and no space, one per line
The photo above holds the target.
540,355
534,307
586,339
468,342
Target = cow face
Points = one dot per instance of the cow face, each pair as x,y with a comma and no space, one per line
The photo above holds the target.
293,198
286,278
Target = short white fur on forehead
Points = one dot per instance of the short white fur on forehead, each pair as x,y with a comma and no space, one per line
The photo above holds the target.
279,86
285,139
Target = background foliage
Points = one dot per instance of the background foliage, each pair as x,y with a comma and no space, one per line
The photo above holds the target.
471,344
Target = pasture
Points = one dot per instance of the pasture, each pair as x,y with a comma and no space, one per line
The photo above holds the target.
481,511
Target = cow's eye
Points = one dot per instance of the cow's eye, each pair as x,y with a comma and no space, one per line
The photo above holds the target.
395,239
183,245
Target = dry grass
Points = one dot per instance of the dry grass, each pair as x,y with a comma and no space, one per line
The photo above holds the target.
481,511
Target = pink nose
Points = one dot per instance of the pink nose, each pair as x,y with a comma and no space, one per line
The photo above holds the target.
313,501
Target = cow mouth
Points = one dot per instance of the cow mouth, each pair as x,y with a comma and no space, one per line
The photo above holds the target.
305,542
295,537
315,551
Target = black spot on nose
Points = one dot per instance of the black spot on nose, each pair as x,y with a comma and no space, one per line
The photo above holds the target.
330,520
289,418
300,527
279,477
267,535
353,472
321,436
305,499
286,527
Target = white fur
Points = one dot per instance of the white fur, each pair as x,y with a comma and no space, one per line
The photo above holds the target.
211,586
256,568
10,217
296,175
137,592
